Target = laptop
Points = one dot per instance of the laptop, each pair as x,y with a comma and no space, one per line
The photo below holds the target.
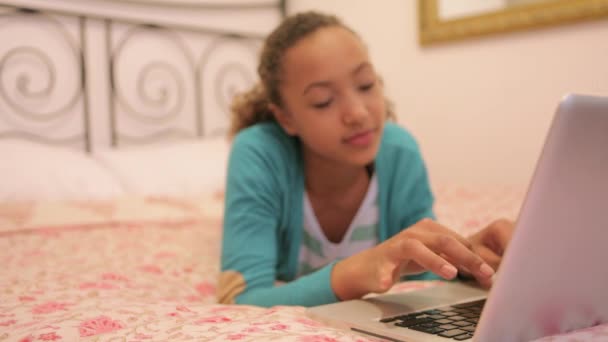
553,278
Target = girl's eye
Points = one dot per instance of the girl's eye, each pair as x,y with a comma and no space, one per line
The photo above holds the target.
322,105
367,86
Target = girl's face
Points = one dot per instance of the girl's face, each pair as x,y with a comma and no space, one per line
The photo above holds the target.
332,98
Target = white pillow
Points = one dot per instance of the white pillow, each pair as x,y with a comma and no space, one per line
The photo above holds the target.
178,168
35,172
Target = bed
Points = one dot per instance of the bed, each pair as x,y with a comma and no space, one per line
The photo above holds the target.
93,244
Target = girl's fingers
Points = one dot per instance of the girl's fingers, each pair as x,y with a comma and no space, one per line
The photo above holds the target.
490,257
502,232
438,249
461,256
430,225
414,250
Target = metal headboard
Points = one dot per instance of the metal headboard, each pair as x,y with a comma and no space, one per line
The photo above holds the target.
97,73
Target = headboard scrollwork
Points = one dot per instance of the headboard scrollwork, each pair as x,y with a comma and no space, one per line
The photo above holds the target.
115,73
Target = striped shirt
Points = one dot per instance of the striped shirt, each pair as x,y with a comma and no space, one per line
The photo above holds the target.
317,251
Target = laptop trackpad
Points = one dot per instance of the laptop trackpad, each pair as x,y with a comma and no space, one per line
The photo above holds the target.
449,293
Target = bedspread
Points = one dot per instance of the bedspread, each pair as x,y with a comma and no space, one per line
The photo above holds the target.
144,269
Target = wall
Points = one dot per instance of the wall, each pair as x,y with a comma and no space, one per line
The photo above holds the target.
479,108
449,9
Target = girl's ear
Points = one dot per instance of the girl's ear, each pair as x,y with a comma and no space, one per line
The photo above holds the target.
284,119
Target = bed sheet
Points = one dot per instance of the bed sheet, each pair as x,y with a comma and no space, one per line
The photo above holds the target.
144,269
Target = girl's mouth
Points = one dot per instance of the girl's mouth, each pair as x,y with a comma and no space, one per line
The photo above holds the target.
361,139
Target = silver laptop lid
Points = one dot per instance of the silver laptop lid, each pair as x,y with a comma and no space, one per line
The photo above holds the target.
554,277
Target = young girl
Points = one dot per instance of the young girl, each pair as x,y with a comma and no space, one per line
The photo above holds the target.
322,192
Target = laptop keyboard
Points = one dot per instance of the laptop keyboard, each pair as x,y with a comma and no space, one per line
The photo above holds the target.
455,321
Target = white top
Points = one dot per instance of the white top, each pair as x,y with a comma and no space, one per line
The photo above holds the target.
317,251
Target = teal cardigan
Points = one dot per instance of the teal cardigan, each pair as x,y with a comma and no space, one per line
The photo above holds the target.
263,212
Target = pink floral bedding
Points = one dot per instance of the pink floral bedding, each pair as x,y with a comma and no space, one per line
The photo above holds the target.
144,269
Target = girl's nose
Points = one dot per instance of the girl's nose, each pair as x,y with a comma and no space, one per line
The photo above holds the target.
354,110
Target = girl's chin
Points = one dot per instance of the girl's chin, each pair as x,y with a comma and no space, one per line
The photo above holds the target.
363,160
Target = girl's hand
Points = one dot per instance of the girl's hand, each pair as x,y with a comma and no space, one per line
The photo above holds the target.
424,246
490,244
492,241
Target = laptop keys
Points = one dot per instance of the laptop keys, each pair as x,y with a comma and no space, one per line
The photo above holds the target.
413,322
432,312
452,333
433,331
444,321
436,316
477,303
448,327
471,315
462,323
457,322
463,337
